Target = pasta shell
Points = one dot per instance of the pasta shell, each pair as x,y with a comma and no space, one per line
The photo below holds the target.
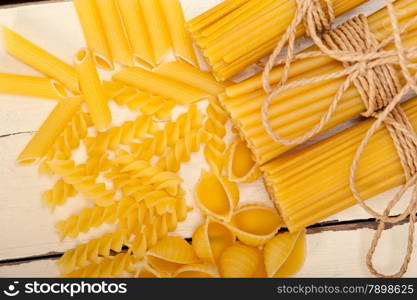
295,260
216,196
278,250
210,239
147,271
170,253
240,165
254,225
197,271
240,261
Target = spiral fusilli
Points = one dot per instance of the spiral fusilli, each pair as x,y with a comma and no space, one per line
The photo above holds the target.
58,194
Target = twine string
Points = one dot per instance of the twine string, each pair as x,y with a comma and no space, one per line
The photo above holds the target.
370,69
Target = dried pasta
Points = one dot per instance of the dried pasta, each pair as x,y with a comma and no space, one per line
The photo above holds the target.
157,29
240,261
58,195
180,38
94,33
254,225
295,260
92,89
161,85
31,86
137,32
40,59
50,130
196,271
115,32
216,196
239,163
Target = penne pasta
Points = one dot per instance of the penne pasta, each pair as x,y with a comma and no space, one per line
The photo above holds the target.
192,76
157,29
91,23
40,59
160,85
137,32
50,130
31,86
116,35
181,39
92,89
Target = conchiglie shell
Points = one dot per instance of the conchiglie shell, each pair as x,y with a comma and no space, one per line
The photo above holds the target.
197,271
216,196
171,253
240,165
277,251
147,271
295,260
240,261
210,239
254,225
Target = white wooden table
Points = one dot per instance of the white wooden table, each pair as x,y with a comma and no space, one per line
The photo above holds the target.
29,246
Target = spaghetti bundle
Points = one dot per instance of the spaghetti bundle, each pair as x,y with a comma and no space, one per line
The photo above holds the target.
294,111
238,33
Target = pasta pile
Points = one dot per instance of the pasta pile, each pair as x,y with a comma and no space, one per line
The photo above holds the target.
295,111
238,33
130,174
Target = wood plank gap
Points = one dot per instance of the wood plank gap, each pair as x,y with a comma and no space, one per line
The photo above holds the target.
23,260
16,133
11,4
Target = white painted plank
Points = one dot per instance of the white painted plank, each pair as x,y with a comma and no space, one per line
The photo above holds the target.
28,226
329,254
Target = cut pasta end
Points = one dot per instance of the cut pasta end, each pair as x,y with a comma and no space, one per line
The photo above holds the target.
59,89
103,63
25,161
149,65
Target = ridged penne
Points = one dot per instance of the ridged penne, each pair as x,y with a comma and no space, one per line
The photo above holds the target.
181,39
31,86
95,35
50,130
92,89
161,85
115,32
139,38
39,59
157,29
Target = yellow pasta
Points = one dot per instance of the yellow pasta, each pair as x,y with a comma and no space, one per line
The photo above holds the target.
240,261
115,32
211,239
216,196
295,260
169,254
147,271
181,39
40,59
136,30
53,126
240,165
92,90
161,85
58,195
157,29
255,224
191,76
279,250
95,35
302,203
31,86
196,271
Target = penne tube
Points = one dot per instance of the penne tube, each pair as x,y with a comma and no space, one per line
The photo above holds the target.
311,184
115,33
95,35
192,76
31,86
92,90
160,85
40,59
50,130
157,29
181,39
137,32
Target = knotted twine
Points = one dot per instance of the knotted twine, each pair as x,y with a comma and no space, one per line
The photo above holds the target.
370,68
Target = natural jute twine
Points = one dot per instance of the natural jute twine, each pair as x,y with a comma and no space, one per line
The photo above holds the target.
370,68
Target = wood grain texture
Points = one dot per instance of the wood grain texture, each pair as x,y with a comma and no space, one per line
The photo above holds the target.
27,226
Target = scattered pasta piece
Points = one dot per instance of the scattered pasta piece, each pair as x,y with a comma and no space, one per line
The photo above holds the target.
196,271
58,195
255,224
295,260
240,261
216,196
